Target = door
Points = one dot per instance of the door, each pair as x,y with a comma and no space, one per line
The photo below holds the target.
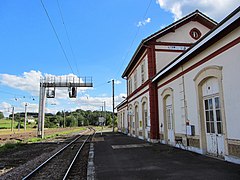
170,130
213,126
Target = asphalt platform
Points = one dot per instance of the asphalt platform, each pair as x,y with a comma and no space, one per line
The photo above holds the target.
118,156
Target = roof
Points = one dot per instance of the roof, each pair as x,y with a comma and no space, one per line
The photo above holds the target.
231,21
121,104
196,15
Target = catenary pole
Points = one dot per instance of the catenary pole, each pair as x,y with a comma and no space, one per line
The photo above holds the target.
25,119
113,104
12,119
105,113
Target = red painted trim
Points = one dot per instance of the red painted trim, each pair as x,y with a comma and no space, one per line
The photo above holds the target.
151,62
168,50
209,57
139,89
123,107
138,95
153,95
139,62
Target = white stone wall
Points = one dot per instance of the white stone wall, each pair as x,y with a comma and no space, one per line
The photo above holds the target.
133,100
182,34
137,69
230,63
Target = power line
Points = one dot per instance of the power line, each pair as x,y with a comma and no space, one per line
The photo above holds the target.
18,95
134,38
67,34
55,32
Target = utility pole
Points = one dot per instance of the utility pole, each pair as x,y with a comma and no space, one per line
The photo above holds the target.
102,121
12,118
102,111
105,112
113,104
64,119
25,119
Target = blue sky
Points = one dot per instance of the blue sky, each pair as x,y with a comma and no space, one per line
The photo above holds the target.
103,36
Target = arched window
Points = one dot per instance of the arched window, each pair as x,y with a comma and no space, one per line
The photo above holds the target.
144,114
136,117
130,114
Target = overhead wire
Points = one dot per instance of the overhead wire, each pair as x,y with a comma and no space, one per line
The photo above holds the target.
67,34
17,96
55,32
134,38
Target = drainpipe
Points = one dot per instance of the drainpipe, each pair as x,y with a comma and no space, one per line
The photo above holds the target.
185,105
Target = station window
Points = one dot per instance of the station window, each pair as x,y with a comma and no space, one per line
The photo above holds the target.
195,33
135,80
143,71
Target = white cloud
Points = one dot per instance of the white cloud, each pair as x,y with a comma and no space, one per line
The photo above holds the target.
144,22
29,82
5,108
5,105
87,102
215,9
31,107
117,82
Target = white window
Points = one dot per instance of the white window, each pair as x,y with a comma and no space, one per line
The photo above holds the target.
136,117
143,72
135,80
144,113
169,117
213,115
129,86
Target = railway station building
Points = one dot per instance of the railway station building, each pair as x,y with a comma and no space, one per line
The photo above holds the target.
183,87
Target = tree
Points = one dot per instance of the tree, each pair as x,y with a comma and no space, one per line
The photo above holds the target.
1,115
80,120
71,121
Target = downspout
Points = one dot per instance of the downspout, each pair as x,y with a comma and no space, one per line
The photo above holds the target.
185,106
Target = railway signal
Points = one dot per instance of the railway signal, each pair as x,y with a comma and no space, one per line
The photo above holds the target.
48,87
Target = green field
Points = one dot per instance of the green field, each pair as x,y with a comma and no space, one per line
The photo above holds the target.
6,124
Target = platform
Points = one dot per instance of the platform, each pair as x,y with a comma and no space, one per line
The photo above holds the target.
118,156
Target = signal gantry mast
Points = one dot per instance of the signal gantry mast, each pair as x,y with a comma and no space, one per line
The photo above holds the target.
48,87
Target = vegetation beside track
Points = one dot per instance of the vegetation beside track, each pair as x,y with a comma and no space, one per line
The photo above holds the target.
51,133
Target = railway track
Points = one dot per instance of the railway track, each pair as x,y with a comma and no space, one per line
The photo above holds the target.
63,164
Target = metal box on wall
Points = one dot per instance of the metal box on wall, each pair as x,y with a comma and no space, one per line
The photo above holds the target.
190,130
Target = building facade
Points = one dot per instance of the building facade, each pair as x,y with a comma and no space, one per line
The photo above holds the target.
182,87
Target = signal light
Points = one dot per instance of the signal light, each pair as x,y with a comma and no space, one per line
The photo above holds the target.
73,92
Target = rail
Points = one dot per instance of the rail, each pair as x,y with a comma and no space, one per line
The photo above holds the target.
32,173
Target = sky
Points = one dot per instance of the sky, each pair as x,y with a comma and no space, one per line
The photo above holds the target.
97,38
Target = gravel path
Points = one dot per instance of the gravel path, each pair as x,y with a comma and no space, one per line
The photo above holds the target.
17,163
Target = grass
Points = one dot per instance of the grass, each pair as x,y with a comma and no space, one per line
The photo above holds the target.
104,128
9,145
55,134
15,144
6,124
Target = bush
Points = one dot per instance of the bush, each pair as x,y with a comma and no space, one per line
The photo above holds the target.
21,126
9,145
